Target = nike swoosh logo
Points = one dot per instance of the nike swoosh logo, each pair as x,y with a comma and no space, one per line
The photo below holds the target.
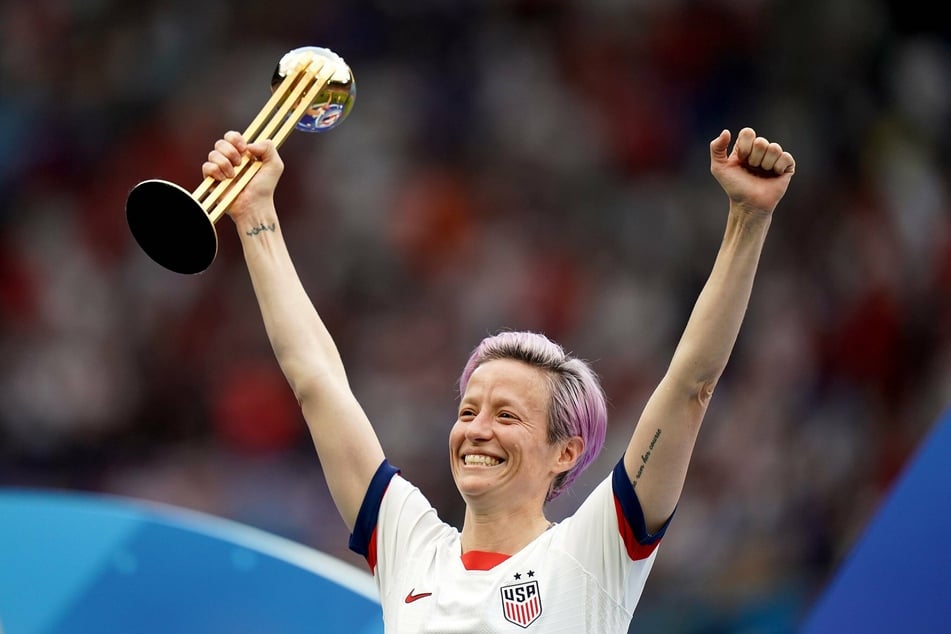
416,597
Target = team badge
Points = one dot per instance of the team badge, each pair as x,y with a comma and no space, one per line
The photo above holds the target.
521,603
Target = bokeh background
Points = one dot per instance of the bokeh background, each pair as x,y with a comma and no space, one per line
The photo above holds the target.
508,164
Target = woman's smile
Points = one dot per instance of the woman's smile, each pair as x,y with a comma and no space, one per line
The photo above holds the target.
481,460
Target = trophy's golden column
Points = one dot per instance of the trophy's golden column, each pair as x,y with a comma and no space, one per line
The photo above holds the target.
312,90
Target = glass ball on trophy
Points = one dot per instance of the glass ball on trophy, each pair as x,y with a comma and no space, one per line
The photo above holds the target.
332,104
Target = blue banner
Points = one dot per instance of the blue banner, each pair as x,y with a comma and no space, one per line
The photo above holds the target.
81,563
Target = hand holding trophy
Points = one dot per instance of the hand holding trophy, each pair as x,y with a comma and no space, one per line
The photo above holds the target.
313,90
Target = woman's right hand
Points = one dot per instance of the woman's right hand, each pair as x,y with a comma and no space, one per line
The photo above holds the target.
259,192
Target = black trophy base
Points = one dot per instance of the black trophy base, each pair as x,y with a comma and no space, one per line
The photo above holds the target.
171,227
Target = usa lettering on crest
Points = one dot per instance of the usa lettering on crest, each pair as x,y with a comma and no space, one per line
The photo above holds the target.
521,603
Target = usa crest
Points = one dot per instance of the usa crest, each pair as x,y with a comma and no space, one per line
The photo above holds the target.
521,603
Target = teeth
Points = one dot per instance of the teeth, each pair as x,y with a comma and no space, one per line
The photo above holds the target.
478,459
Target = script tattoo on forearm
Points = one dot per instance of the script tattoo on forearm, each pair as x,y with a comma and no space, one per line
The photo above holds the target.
645,457
256,230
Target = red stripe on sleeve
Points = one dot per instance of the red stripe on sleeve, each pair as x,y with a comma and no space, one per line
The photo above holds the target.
635,550
371,552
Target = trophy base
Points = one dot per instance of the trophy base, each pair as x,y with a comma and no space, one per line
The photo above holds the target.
171,227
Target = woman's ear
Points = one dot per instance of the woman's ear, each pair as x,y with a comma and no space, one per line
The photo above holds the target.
570,454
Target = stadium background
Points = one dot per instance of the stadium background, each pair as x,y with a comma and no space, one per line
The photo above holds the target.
521,164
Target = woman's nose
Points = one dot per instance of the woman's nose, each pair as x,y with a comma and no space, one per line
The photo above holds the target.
479,428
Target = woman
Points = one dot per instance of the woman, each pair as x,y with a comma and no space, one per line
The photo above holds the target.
530,419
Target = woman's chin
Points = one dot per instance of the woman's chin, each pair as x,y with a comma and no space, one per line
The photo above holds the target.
474,486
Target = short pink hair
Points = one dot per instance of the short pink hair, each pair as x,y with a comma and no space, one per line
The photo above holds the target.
577,407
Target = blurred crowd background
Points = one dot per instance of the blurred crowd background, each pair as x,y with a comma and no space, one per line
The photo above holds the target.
523,164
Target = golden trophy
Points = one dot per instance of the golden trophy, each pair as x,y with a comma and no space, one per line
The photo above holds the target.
312,90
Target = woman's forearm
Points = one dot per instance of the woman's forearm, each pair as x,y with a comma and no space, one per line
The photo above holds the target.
300,340
711,332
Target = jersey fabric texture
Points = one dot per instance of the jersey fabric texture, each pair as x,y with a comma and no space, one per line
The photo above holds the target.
584,574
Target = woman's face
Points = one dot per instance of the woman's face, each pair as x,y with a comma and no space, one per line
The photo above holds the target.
498,447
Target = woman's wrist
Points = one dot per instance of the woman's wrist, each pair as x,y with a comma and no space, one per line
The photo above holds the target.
256,221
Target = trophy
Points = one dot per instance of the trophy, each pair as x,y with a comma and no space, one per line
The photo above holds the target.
312,89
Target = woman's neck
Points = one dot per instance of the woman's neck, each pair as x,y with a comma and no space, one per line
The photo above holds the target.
501,531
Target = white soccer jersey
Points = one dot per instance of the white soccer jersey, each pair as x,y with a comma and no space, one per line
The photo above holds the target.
585,574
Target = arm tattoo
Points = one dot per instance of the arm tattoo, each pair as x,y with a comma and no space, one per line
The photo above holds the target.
255,231
645,457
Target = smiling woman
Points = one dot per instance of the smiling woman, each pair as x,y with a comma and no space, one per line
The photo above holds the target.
501,449
531,418
574,402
